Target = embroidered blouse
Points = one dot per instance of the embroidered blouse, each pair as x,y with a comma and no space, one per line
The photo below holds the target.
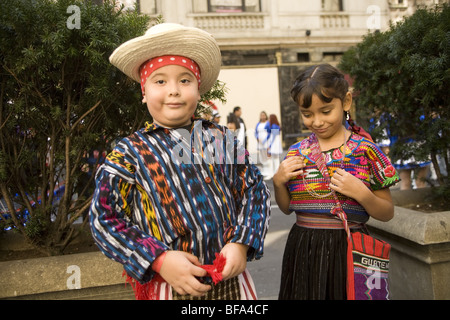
194,191
363,159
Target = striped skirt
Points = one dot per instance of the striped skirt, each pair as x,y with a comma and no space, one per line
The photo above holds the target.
238,288
314,262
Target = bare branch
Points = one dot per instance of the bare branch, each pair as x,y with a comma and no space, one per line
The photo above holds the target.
9,203
85,114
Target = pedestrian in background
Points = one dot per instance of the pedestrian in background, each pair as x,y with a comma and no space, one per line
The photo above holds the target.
215,116
275,148
242,130
262,137
233,123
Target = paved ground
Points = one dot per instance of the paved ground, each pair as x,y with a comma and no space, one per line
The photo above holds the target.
266,272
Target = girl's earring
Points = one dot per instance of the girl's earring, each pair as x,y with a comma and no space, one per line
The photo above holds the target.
347,115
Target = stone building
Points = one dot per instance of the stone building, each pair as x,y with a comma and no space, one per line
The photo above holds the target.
266,43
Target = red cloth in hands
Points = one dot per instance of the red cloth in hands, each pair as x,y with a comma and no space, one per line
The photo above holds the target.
215,270
148,291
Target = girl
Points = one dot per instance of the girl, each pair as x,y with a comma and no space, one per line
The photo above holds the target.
314,261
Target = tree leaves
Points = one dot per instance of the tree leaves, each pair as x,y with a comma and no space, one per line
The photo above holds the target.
60,100
404,73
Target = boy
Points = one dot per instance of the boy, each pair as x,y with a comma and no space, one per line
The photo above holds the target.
176,193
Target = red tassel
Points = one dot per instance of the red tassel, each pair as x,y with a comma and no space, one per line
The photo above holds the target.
215,270
148,291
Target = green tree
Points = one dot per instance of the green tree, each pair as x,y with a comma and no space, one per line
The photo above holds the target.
60,99
403,74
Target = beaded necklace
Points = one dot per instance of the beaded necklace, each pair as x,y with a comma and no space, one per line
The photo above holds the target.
308,188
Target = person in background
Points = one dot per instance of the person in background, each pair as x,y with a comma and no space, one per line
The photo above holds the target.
233,123
262,137
215,117
242,134
274,148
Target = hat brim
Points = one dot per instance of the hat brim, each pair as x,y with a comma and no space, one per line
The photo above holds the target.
192,43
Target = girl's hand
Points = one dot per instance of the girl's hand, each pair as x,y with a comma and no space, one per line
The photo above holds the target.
378,203
347,184
289,168
180,270
236,259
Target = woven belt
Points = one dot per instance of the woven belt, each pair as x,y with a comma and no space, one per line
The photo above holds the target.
314,221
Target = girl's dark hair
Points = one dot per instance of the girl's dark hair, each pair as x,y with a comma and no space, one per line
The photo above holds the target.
273,120
327,83
232,118
323,80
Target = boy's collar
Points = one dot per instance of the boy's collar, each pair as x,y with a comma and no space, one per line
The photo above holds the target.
151,126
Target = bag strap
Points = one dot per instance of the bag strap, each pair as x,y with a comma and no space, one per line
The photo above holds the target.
337,210
318,157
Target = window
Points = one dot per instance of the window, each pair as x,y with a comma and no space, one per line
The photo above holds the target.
332,5
302,57
332,56
234,6
398,3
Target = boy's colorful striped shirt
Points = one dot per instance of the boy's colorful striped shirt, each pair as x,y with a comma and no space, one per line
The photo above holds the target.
194,191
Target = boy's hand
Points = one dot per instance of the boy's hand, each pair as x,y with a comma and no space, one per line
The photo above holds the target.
236,259
180,270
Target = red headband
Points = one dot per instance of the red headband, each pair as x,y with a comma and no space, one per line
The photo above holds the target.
155,63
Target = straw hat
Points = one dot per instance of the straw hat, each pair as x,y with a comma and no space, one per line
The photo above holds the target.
171,39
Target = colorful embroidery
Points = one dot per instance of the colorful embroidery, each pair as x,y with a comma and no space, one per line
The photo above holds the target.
363,160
